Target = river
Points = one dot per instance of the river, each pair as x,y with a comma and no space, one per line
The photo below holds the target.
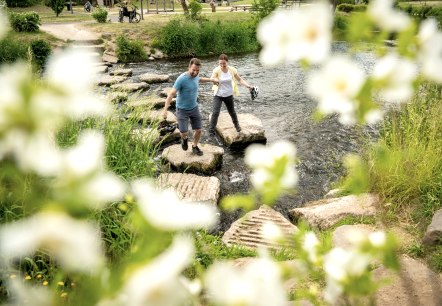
286,113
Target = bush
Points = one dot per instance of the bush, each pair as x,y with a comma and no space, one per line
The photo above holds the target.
25,22
195,9
100,15
11,50
22,3
179,38
3,4
348,8
263,8
130,51
56,5
40,50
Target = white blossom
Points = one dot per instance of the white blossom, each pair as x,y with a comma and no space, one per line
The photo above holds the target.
430,50
25,294
336,86
257,284
310,245
386,17
272,233
292,35
159,282
76,245
73,73
377,239
163,208
395,77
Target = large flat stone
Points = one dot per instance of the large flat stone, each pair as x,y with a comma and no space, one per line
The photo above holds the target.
165,92
108,80
151,78
433,235
150,102
343,235
151,135
153,116
187,161
252,130
325,213
124,72
246,231
191,187
131,87
415,285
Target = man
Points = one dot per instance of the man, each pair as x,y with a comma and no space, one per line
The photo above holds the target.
186,89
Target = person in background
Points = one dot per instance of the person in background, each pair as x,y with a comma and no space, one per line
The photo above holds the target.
186,89
228,79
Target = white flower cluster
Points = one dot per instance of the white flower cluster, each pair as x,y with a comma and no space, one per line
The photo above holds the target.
305,34
274,164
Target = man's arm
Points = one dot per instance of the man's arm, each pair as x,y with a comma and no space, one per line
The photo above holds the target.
169,98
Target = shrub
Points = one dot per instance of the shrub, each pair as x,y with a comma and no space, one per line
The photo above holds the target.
130,51
22,3
263,8
40,50
11,50
56,5
3,4
25,22
195,9
348,8
179,38
100,15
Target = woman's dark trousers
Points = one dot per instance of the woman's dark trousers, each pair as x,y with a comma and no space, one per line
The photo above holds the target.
217,103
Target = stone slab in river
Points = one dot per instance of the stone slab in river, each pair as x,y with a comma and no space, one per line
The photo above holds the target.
131,86
189,162
108,80
151,78
192,187
252,130
153,116
150,102
125,72
247,230
151,135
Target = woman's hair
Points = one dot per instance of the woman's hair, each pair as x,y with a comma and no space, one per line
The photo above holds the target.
224,57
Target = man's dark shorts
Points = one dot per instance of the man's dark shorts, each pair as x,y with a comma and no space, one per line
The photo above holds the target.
183,117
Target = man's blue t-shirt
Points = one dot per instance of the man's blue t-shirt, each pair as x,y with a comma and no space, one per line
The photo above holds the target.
187,91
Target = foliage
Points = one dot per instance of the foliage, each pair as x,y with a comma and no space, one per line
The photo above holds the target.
3,5
348,8
100,14
12,50
22,3
41,50
57,6
195,9
25,22
263,8
130,50
182,38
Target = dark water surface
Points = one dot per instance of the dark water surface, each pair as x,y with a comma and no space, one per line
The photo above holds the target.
286,113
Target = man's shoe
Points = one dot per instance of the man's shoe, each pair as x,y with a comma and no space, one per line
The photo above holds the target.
212,132
197,151
184,144
238,128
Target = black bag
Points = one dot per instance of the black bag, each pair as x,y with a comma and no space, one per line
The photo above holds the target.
166,128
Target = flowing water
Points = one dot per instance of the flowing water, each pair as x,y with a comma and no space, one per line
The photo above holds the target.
286,113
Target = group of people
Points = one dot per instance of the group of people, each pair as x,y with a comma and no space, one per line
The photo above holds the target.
225,81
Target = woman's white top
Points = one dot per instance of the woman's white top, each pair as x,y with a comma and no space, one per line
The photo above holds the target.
225,87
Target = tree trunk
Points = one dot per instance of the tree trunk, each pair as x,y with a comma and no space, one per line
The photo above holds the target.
184,5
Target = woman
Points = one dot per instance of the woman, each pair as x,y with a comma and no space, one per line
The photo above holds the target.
228,78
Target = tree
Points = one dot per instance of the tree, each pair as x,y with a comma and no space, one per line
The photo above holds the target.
184,5
57,6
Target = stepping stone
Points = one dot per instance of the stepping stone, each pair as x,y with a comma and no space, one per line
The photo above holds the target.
150,102
131,87
343,235
124,72
252,130
325,213
187,161
93,48
109,58
101,69
415,284
433,235
247,230
153,115
151,78
151,135
165,92
108,80
118,97
191,187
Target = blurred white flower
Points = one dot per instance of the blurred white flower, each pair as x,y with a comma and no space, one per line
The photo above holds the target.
73,73
76,245
265,159
160,283
395,77
257,284
430,50
25,294
164,210
377,239
272,233
374,116
386,17
292,35
310,245
4,24
82,176
336,86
